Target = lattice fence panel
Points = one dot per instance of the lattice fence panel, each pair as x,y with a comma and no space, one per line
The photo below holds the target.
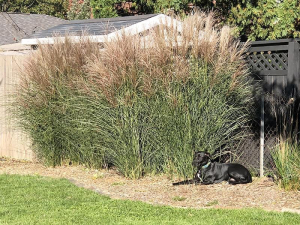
260,61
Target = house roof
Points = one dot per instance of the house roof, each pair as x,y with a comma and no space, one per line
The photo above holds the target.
15,26
92,26
99,30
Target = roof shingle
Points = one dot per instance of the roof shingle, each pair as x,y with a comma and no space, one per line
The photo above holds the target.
15,26
91,26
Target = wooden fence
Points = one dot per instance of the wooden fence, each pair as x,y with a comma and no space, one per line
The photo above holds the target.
13,142
277,64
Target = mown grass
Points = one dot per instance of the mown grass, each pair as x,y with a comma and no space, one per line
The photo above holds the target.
40,200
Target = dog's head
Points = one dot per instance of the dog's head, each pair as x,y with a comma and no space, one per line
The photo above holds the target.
201,159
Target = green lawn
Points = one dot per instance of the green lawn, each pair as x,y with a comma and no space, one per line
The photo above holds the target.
40,200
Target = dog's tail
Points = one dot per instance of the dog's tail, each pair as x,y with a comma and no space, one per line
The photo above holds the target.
185,182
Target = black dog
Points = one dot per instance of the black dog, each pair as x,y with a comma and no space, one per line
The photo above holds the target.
213,172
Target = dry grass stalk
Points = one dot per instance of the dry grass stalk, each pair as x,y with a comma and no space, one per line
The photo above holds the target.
61,62
163,56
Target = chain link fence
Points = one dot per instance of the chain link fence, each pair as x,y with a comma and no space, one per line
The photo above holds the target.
247,151
281,122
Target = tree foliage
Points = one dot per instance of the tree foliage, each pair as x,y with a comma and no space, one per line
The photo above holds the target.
255,20
57,8
107,8
103,8
79,10
267,19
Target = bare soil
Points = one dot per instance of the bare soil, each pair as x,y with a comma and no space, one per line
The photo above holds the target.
261,193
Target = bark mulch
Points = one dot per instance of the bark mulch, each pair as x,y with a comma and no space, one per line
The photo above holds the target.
261,193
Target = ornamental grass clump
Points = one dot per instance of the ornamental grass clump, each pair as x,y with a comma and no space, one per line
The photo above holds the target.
177,89
142,103
47,104
286,154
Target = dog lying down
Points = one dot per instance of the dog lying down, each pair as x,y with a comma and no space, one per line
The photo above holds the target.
212,172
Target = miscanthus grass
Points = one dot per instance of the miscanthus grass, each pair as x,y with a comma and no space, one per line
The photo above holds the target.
142,103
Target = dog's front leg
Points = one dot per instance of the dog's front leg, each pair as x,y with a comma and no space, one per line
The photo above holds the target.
208,180
198,178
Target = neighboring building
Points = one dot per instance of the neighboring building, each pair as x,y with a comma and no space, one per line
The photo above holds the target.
101,30
16,26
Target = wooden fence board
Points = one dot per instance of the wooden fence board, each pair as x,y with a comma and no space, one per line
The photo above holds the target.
13,142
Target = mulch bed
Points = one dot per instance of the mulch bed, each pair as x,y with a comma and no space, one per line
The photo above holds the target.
261,193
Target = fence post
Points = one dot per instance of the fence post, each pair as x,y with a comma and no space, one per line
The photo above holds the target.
262,135
293,68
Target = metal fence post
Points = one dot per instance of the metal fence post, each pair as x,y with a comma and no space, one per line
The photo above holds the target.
262,136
